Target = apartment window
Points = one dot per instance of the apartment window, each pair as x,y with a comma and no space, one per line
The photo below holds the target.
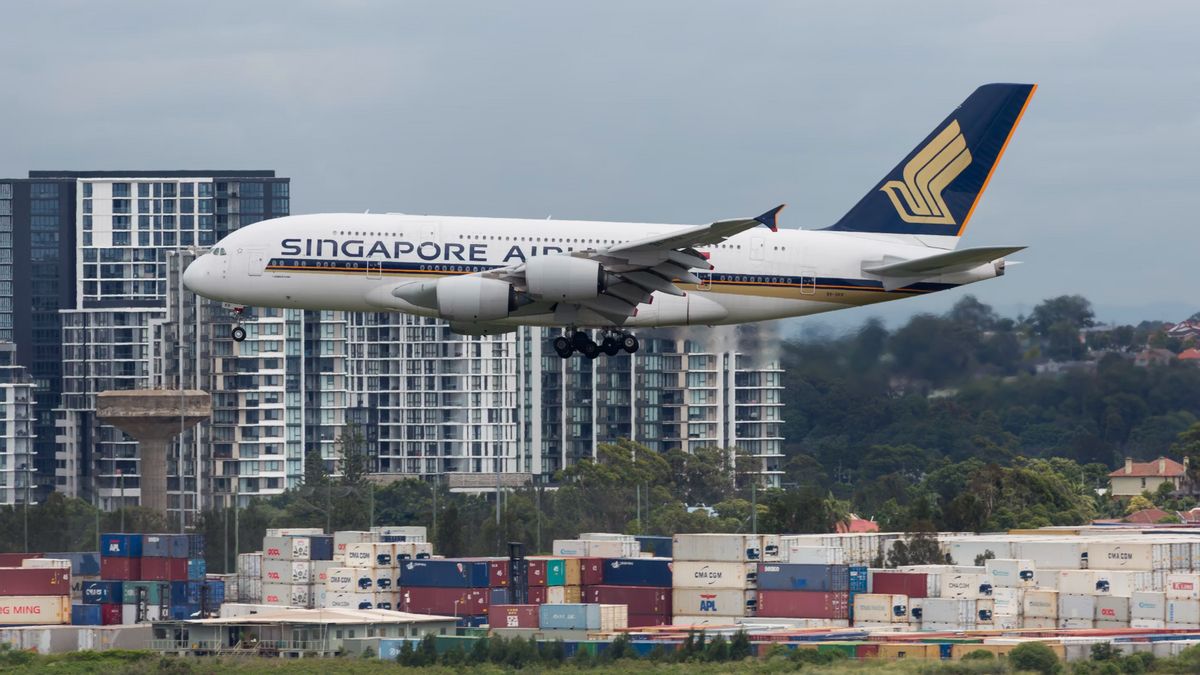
168,189
143,189
118,189
144,205
120,238
87,222
279,205
187,189
280,190
87,205
87,190
120,205
43,191
121,222
204,190
250,190
186,205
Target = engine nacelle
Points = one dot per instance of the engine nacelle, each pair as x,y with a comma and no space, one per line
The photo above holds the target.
562,277
473,299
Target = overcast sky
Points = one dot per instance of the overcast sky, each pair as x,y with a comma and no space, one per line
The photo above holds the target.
646,111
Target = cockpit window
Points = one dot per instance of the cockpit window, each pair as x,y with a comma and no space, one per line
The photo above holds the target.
218,251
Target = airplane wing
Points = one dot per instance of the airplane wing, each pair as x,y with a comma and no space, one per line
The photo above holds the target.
646,266
897,273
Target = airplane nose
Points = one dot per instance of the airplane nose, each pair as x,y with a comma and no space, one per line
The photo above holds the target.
196,275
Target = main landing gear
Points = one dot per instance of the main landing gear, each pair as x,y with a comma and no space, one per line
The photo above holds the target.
239,332
613,343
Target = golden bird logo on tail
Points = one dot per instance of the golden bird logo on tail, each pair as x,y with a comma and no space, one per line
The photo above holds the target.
925,177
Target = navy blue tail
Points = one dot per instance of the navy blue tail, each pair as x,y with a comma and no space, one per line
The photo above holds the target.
934,190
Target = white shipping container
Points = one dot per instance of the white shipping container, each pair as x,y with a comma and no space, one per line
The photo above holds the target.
286,548
1177,625
350,600
293,531
952,585
594,548
1079,582
960,611
772,548
374,579
1127,555
370,554
692,574
1183,611
1076,606
1147,623
1181,556
342,579
46,563
1011,573
717,547
1039,622
1076,624
35,609
985,610
966,550
815,555
569,547
880,608
1112,608
713,602
1040,604
249,564
556,595
287,572
1008,601
409,532
344,537
249,589
290,595
1148,605
407,550
606,536
1051,553
320,571
1183,586
1110,625
1006,622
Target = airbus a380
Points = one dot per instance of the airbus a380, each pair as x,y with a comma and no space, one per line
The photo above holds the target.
489,275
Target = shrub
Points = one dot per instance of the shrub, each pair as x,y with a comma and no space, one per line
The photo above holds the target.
1036,657
979,655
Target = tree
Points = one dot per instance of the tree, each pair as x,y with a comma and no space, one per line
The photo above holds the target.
1073,311
314,467
1035,657
352,448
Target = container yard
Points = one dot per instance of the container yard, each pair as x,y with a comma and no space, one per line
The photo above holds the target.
1136,588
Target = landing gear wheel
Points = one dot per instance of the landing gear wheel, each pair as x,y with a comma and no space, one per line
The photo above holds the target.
629,343
238,333
610,346
563,347
590,349
579,339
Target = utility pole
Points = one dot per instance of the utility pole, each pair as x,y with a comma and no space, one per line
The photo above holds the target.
121,477
25,510
754,506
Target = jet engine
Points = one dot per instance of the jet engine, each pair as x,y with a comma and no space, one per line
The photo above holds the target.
468,298
563,277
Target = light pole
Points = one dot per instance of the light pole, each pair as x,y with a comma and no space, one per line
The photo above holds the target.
25,510
121,508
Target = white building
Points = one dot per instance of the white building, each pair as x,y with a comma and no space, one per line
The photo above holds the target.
16,429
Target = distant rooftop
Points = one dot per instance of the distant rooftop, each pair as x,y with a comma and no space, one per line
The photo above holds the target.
177,173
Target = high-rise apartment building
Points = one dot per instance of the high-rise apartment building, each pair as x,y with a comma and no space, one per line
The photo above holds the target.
16,429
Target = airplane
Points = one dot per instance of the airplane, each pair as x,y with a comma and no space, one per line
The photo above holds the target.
490,275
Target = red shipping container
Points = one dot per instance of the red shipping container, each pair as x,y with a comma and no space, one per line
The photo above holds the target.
14,559
513,616
536,595
444,601
804,604
120,569
537,572
912,584
641,620
35,581
639,599
866,650
164,569
498,574
110,614
591,571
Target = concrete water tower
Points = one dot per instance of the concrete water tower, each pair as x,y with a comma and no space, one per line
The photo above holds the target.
153,417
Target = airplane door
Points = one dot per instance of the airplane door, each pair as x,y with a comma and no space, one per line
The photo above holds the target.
374,269
705,281
757,248
808,281
256,262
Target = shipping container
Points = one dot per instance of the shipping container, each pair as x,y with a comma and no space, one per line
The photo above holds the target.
583,617
718,547
572,572
591,571
164,546
499,596
401,533
293,531
955,611
546,571
343,537
164,569
911,584
184,592
879,608
86,615
498,573
797,577
111,614
1040,604
362,600
1051,553
803,604
35,581
536,595
444,601
46,563
102,592
859,579
814,555
16,559
290,595
637,572
1071,581
83,564
197,569
122,569
732,575
212,593
121,545
196,546
1008,601
657,547
1111,608
184,612
342,580
372,579
287,571
410,550
1148,605
370,554
1128,555
643,620
1011,573
513,616
249,564
715,602
1075,606
640,599
1183,586
1183,611
445,573
145,592
17,610
955,585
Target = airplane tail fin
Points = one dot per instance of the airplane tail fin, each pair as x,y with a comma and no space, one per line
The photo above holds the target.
933,191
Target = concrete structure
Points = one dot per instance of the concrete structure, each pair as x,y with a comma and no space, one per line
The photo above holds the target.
16,430
1137,477
291,633
153,417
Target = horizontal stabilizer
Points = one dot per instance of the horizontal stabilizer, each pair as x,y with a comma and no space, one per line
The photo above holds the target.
897,273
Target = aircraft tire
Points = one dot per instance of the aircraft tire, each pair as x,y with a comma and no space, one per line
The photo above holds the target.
629,343
590,350
610,346
563,347
238,334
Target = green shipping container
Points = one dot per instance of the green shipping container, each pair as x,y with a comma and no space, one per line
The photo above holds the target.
447,643
556,572
153,591
849,649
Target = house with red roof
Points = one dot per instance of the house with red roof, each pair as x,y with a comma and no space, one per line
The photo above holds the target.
1137,477
1191,354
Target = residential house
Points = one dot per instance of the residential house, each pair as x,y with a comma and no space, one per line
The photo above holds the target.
1137,477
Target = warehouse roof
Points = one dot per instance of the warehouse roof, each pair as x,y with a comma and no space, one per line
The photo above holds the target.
1161,467
326,616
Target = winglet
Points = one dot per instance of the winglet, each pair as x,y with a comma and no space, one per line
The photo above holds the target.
768,218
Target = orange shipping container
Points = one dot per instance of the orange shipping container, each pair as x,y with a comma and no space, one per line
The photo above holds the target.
33,610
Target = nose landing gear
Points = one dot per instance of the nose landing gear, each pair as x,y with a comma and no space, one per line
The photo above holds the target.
580,341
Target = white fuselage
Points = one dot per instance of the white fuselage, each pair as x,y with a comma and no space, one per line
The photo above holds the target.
353,262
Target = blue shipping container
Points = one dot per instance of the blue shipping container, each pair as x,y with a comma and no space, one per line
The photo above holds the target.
321,547
101,592
121,545
659,547
195,547
637,572
185,592
472,621
164,545
196,569
182,612
499,596
448,573
859,579
86,615
800,577
213,592
389,648
83,564
571,616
